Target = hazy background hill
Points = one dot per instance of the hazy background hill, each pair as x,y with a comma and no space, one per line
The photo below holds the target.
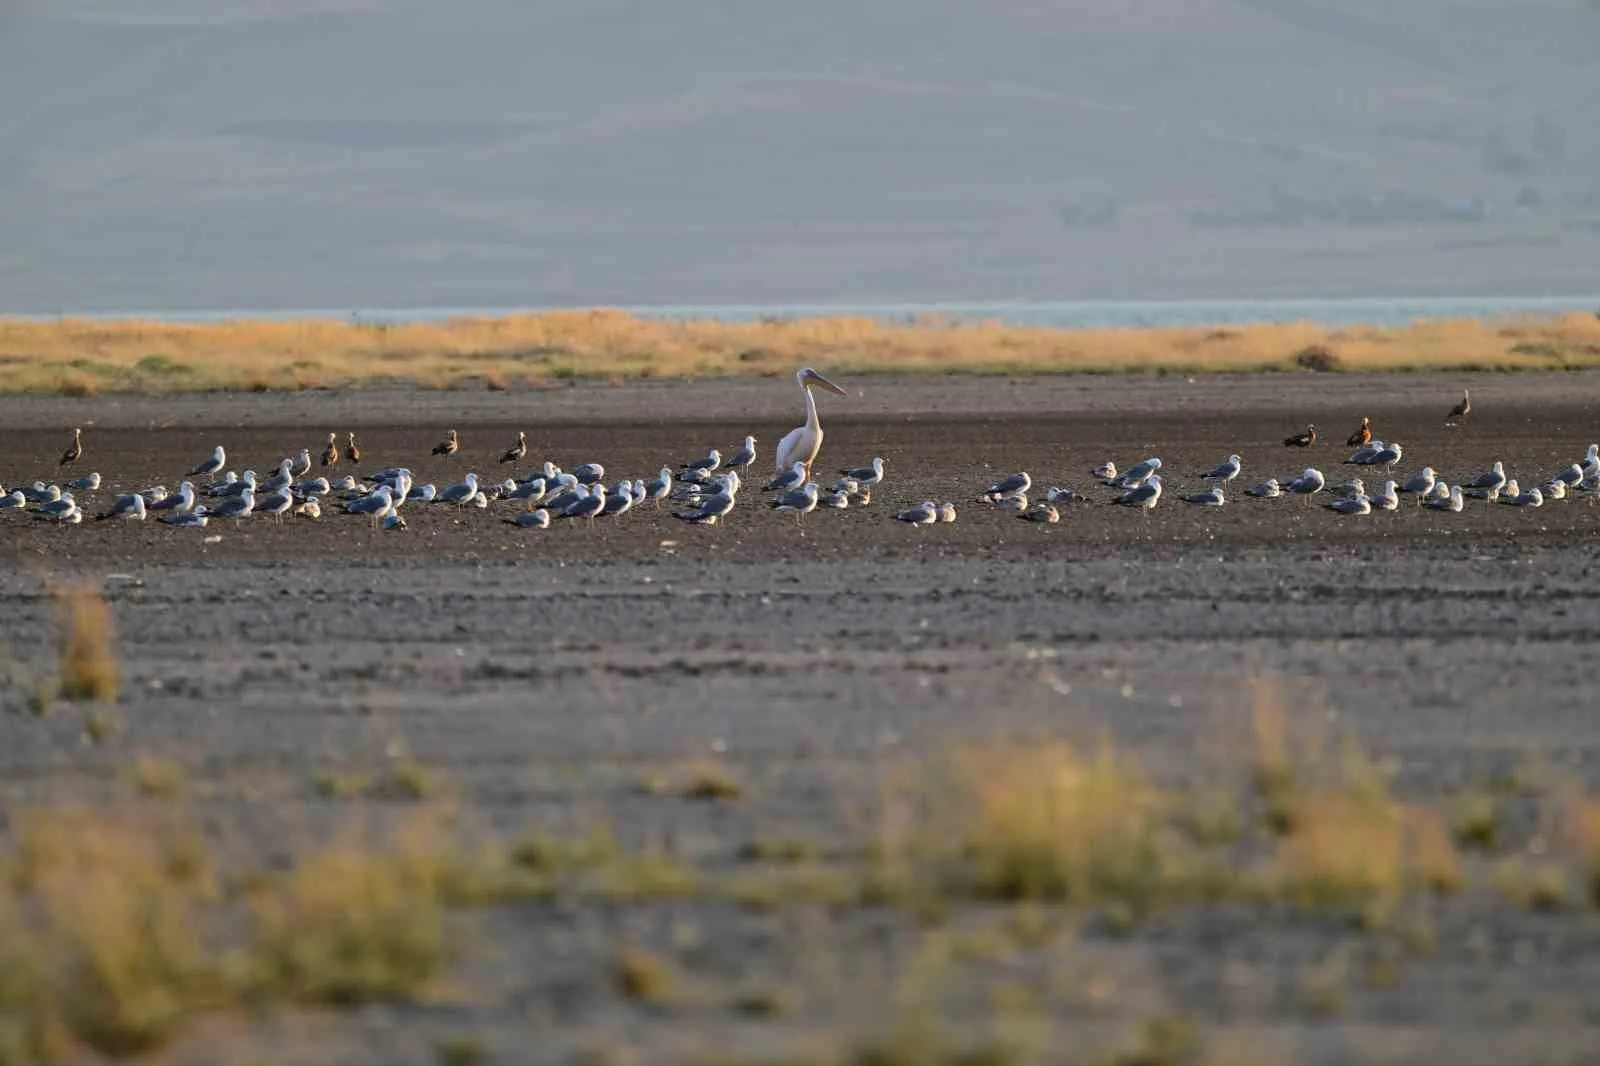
358,153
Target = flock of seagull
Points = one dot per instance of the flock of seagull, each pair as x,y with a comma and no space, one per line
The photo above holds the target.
707,488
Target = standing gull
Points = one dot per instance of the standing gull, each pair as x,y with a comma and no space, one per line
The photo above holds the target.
461,493
1015,486
1227,470
74,450
1490,483
710,508
1137,474
1145,497
801,501
1386,498
706,465
1362,456
793,478
871,474
212,466
1420,483
745,456
801,444
1308,484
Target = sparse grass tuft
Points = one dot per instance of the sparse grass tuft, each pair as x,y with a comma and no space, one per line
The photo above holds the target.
710,780
643,976
461,1051
89,666
158,777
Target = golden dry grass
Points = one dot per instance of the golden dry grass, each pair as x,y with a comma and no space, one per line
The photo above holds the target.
83,357
89,666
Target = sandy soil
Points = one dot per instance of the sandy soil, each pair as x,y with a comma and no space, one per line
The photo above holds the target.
543,674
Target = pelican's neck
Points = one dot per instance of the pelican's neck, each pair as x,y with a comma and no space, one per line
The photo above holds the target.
812,422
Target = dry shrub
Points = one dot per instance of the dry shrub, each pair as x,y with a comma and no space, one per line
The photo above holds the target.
90,669
1048,822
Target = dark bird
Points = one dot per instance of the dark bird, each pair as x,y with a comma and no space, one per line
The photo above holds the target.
1362,435
449,445
352,450
516,451
330,453
74,451
1460,411
1302,440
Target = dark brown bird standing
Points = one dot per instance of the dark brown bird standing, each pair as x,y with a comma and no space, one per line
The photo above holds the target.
352,450
1460,411
517,450
1362,435
1302,440
449,445
330,454
74,450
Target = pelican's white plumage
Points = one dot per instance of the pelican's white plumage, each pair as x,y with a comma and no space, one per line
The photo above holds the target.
801,444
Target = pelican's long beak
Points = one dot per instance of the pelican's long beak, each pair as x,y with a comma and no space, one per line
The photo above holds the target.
825,383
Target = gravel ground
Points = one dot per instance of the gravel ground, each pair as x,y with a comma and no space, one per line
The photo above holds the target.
544,675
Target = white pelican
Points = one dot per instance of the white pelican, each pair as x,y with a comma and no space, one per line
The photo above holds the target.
925,513
74,450
212,466
801,444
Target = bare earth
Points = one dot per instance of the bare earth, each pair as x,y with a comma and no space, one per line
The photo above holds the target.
544,675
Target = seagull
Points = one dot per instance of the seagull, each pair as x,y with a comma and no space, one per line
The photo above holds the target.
947,512
15,500
1362,456
1106,471
1354,487
462,493
1386,498
211,466
589,473
1145,496
1389,457
234,488
1041,512
282,479
1460,411
39,492
1265,490
1211,497
794,478
1492,482
925,513
1015,486
57,508
1227,470
195,519
1572,475
301,465
517,450
91,482
352,450
392,522
74,450
835,499
1421,482
745,456
131,506
710,509
275,503
309,509
448,446
1532,498
1350,505
180,502
539,519
659,487
1591,462
705,465
1056,494
1554,490
1302,440
330,451
1308,484
871,474
593,502
379,501
236,507
1362,435
317,486
1452,502
532,491
1509,493
1015,504
1137,474
801,501
620,501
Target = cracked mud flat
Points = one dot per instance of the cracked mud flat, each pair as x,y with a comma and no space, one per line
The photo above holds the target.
544,675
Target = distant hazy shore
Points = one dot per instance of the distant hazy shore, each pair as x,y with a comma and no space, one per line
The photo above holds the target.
80,356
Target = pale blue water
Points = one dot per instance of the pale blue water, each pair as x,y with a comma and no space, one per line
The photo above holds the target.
1380,311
